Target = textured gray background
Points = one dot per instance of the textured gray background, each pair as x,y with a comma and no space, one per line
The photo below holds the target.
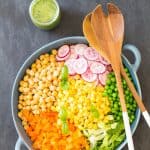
19,38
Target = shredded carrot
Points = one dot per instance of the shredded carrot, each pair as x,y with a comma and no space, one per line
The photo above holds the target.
46,134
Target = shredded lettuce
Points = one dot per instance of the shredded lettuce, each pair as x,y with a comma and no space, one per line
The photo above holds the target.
108,137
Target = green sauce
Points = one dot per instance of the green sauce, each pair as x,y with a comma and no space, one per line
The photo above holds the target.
44,11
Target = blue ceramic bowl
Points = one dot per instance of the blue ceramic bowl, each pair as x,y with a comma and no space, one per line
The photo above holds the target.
23,138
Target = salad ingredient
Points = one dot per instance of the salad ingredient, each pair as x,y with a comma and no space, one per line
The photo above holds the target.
64,73
63,51
89,76
78,101
63,118
108,137
40,85
62,58
95,111
45,132
79,48
103,78
84,60
69,63
112,92
113,137
103,61
90,54
73,52
97,68
64,78
80,65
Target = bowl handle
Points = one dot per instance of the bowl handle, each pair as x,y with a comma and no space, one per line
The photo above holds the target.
18,144
136,54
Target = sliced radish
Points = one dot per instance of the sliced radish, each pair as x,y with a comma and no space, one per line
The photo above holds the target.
70,63
72,47
73,52
79,48
62,58
90,54
80,65
90,62
109,68
97,67
103,78
100,58
89,76
97,82
105,62
63,51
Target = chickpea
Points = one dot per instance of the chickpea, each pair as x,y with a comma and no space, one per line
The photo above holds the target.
20,106
49,77
55,82
54,51
52,88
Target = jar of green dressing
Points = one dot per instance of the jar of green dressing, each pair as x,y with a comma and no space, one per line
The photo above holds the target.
45,14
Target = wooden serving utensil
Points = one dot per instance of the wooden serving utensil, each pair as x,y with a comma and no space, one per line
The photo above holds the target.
90,36
105,28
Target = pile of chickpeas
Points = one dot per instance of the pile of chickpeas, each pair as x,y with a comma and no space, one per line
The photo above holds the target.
40,86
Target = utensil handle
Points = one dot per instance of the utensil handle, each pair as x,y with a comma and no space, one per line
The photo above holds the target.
136,96
124,111
18,144
146,117
136,54
128,130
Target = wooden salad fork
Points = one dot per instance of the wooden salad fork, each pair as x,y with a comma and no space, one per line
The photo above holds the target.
90,36
109,32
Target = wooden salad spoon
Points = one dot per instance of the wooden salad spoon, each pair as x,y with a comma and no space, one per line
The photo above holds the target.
90,36
105,28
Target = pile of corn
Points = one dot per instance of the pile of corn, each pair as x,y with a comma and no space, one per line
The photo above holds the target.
39,87
79,99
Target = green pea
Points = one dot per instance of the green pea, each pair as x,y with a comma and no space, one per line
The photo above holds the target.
113,79
108,82
126,70
124,82
106,87
109,91
115,89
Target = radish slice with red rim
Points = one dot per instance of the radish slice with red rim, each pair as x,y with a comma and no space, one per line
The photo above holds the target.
89,76
73,52
103,78
109,68
100,58
97,82
105,62
80,65
62,58
69,63
79,48
90,62
91,54
97,67
63,51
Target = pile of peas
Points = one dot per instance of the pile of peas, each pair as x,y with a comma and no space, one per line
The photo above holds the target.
111,92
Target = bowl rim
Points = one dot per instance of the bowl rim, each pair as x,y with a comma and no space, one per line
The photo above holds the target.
39,52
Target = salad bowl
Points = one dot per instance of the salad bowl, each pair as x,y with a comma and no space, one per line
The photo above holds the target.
23,138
